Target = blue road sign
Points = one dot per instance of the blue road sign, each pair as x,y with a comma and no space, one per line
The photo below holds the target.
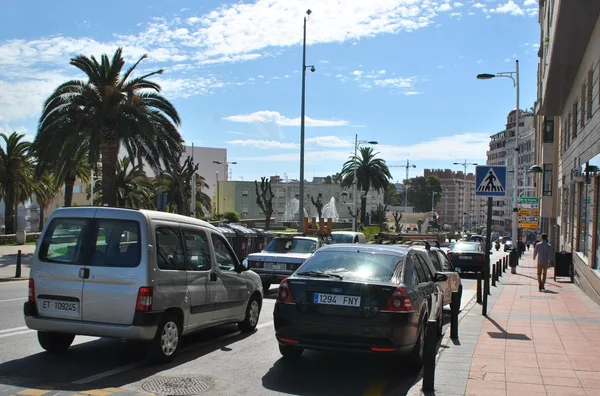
490,181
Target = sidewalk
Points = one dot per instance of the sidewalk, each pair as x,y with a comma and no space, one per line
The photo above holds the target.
531,343
8,261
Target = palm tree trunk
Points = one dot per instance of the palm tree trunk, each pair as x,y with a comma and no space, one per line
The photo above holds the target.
9,212
110,156
69,183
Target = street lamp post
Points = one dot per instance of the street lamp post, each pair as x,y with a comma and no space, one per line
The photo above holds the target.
355,181
302,112
407,166
226,163
464,208
515,79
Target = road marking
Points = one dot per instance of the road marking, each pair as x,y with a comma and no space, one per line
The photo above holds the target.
33,392
105,374
13,299
13,329
260,326
377,387
17,333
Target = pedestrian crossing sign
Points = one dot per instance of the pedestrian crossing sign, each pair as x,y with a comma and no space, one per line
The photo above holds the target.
490,181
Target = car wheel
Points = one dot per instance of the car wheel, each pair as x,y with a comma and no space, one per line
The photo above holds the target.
419,351
252,315
440,324
55,342
266,286
165,344
290,351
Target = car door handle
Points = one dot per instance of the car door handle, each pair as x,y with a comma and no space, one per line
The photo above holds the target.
84,273
213,276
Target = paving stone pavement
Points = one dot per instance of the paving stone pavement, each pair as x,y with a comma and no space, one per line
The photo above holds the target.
531,342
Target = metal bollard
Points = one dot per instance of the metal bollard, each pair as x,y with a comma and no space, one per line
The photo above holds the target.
486,291
499,268
503,264
18,266
429,356
479,279
454,309
493,275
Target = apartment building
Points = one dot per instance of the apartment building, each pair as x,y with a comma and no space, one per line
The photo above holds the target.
568,133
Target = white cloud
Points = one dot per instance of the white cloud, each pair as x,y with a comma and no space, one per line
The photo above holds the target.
458,4
479,5
444,7
531,3
323,61
456,14
330,141
395,82
479,62
509,8
273,117
263,144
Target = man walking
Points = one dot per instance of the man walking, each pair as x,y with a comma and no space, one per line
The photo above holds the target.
544,253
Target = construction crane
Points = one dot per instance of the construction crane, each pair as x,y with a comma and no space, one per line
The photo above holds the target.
407,166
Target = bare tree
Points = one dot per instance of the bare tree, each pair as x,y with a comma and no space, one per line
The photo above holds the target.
397,217
318,205
264,199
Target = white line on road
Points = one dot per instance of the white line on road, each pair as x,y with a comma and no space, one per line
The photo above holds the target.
13,329
105,374
260,326
17,333
13,299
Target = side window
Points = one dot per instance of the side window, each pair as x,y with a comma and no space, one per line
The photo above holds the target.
197,249
435,260
446,264
169,249
117,244
421,277
425,267
63,241
225,258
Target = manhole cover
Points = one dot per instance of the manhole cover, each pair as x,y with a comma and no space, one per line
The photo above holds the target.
175,386
538,297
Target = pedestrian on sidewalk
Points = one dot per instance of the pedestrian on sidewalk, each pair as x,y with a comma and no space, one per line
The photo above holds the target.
544,252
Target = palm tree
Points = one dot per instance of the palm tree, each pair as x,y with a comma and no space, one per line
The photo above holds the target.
203,201
107,111
175,181
16,177
45,190
371,173
134,190
68,167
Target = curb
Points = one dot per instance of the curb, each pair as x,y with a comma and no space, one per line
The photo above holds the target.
416,390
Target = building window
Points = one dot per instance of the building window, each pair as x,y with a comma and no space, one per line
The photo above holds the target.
569,131
244,193
583,106
590,92
584,217
547,181
563,137
76,189
575,124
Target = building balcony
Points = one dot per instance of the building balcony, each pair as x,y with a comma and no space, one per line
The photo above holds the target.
573,24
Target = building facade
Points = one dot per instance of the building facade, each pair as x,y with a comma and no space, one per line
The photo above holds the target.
458,206
568,132
501,153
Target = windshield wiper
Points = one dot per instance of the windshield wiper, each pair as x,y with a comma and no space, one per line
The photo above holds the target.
319,274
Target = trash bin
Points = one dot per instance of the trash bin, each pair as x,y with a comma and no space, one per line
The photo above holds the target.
262,239
563,265
228,233
245,240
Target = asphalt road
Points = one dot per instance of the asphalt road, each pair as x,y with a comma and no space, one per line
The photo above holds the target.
220,360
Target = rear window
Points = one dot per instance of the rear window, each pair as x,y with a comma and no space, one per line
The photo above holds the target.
117,244
62,242
354,265
467,247
291,245
342,238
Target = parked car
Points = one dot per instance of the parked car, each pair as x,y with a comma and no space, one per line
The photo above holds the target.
467,256
281,257
137,275
348,237
440,263
371,298
508,244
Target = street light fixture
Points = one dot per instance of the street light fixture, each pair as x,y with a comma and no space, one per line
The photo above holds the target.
356,144
464,208
514,76
302,112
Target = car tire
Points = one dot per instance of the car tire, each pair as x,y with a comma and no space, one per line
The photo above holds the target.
266,286
440,324
290,351
55,342
418,352
252,315
164,346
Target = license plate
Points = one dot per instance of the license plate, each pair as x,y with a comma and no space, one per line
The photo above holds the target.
336,299
59,306
271,266
464,257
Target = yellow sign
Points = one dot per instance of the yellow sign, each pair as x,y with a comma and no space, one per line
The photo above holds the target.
528,225
529,212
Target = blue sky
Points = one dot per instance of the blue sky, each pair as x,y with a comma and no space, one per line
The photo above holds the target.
401,72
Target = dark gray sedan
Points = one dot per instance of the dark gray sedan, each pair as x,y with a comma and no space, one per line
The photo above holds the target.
359,298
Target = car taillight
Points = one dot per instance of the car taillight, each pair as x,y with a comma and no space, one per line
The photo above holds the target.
284,294
399,302
31,296
481,259
144,299
256,264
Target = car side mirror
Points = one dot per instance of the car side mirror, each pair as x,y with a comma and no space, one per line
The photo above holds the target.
245,265
439,277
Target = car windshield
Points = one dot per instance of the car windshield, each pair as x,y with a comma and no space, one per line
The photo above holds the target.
291,245
342,238
466,247
353,265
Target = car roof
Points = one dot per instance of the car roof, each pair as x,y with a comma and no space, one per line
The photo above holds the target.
368,248
346,233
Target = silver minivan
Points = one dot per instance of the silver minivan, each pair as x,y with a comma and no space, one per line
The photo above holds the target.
137,275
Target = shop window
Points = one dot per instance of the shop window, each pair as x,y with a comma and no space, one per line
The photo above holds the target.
547,181
590,92
575,118
549,131
584,217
